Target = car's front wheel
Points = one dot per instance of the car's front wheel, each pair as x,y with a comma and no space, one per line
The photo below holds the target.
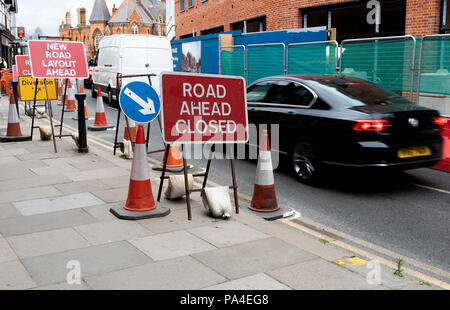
305,164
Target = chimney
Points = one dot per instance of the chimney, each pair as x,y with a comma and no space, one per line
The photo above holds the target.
81,16
114,9
68,19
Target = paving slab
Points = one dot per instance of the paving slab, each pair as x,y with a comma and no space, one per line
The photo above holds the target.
4,160
13,152
34,155
56,169
48,205
114,182
11,172
226,233
253,257
29,193
70,187
112,195
101,212
7,210
6,252
93,164
319,274
50,269
177,220
42,222
259,281
13,276
34,181
182,273
171,245
112,231
97,174
47,242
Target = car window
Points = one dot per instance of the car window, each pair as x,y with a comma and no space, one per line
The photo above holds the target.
290,93
258,91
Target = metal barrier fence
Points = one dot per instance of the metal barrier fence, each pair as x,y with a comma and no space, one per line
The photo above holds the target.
233,60
265,60
312,58
434,65
389,61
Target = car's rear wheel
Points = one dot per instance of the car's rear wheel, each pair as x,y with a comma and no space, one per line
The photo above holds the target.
305,164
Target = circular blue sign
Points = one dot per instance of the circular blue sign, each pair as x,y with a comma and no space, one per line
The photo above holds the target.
139,102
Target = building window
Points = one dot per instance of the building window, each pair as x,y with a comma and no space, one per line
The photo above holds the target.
446,16
190,3
134,29
182,5
97,40
212,30
118,30
251,25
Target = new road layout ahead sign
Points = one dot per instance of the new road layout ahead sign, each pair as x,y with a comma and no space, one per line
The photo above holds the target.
200,108
139,102
58,59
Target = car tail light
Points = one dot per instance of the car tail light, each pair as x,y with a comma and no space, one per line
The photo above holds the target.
119,80
371,125
441,121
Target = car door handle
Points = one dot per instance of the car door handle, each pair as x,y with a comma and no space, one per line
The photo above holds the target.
252,109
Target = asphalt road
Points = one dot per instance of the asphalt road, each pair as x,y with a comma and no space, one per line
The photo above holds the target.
408,213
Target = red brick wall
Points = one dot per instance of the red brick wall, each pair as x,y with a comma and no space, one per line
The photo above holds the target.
422,16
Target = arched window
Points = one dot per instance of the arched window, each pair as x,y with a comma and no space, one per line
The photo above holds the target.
97,38
134,29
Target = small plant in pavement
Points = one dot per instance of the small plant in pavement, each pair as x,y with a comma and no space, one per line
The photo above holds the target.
425,283
325,242
399,270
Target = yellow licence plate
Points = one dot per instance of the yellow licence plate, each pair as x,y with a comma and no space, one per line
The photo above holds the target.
414,152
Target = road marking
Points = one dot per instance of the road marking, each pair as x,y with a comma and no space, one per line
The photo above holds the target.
356,250
431,188
369,255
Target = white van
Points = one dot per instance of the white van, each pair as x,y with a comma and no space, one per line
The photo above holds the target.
121,55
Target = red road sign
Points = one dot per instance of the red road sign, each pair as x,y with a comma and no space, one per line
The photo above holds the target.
23,65
15,76
58,59
198,108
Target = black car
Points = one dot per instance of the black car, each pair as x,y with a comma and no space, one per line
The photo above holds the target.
343,121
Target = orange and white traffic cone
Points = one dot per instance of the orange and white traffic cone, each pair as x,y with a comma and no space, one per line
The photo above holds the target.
100,122
174,161
140,203
86,115
264,197
13,131
132,127
70,104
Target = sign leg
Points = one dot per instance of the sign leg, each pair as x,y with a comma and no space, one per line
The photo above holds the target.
63,108
50,114
163,173
186,186
117,131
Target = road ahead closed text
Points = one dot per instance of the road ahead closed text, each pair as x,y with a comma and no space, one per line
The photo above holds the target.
203,108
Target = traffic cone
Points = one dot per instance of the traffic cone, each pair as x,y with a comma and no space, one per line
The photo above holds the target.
13,131
140,203
64,97
132,126
70,104
264,197
174,161
86,115
100,122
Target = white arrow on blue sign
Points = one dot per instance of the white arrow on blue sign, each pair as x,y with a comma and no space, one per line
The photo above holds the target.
139,102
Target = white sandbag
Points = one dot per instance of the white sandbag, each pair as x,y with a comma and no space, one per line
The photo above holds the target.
46,132
176,187
127,149
217,201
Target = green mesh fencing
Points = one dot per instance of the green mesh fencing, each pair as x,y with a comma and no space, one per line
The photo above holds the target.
435,65
388,62
312,58
265,61
232,61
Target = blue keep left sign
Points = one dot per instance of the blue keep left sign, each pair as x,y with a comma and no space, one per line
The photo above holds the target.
139,102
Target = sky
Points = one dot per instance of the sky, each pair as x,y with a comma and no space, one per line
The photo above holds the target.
48,14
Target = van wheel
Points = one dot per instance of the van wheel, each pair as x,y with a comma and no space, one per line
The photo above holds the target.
93,92
110,99
305,165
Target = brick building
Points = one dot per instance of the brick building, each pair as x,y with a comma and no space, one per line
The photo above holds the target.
131,17
350,18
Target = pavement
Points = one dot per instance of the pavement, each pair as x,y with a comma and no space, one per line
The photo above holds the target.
55,222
